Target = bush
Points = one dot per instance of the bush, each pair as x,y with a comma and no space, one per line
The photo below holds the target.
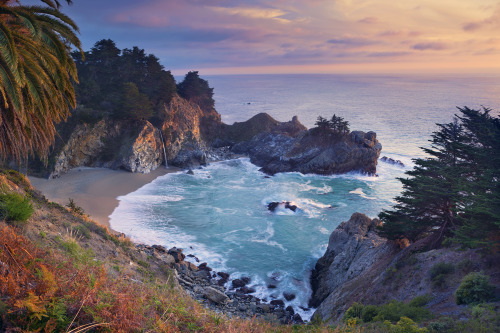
474,289
404,325
392,311
15,207
439,272
74,208
354,311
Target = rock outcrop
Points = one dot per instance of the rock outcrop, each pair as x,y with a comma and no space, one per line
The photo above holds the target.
360,266
186,130
133,146
313,151
260,123
352,249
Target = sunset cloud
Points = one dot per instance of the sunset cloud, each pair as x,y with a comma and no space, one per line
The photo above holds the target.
197,34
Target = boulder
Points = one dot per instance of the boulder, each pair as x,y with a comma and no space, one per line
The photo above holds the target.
272,206
288,296
177,254
278,302
238,283
215,295
392,161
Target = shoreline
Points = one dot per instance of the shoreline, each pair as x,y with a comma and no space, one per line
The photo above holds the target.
96,190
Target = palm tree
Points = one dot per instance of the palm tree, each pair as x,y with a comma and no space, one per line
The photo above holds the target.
36,76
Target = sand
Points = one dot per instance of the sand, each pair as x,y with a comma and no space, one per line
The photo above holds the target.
95,189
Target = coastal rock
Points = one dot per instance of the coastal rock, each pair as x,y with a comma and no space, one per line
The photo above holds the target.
353,247
215,295
392,161
186,130
145,153
284,204
241,132
133,146
313,151
177,254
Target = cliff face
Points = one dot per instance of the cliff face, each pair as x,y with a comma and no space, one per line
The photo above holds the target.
360,266
193,136
135,147
186,130
352,249
313,152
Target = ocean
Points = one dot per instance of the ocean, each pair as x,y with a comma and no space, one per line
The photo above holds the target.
220,214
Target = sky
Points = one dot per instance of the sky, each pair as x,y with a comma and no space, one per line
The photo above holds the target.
301,36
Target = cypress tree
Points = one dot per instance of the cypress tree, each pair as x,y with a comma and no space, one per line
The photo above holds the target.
455,192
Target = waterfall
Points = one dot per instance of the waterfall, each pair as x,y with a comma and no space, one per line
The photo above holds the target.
164,150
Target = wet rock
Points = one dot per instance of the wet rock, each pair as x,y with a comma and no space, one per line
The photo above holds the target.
190,172
223,275
392,161
246,290
159,248
194,257
297,319
288,296
246,279
286,204
271,286
278,302
204,267
177,254
238,283
290,310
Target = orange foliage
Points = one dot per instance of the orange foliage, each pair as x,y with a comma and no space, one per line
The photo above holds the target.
35,283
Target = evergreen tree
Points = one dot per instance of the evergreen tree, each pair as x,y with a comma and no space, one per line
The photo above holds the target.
135,105
455,192
197,90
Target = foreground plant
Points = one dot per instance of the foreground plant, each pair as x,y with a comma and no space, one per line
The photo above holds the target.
36,76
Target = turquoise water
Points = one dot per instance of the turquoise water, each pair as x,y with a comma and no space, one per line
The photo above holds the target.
220,214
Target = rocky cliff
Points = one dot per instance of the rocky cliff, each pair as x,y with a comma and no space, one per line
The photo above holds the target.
133,146
360,266
312,151
193,136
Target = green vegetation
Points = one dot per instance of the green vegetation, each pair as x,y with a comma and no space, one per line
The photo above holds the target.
454,193
15,207
404,325
74,208
336,125
474,289
439,272
114,82
36,75
197,90
392,311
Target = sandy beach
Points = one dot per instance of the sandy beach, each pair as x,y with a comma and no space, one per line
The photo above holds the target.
95,189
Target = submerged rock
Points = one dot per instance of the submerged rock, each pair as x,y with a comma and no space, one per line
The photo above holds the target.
392,161
285,204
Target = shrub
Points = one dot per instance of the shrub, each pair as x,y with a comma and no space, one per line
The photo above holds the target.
15,207
438,273
354,311
369,312
474,289
74,208
392,311
404,325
